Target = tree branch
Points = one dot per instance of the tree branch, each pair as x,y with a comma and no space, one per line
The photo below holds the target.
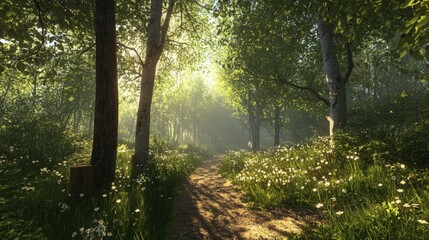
86,50
191,20
176,42
166,23
309,89
202,5
415,111
350,63
40,18
134,50
66,8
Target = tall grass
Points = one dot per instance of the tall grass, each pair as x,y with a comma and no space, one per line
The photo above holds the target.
357,190
35,202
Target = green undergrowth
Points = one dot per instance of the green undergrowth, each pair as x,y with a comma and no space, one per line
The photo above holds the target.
35,202
360,189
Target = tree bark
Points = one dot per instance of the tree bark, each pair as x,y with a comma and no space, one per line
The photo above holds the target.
154,46
143,115
336,84
105,138
257,133
195,131
255,127
277,126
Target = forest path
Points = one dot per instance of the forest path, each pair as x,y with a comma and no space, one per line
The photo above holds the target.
210,207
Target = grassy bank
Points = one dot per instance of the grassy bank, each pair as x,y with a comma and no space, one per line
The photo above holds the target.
35,202
360,190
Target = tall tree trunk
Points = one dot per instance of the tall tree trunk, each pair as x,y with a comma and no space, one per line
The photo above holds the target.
195,132
77,120
143,115
277,126
154,46
91,121
336,84
257,134
255,127
164,131
105,137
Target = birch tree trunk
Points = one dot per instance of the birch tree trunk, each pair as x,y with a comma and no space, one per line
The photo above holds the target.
336,84
156,34
143,115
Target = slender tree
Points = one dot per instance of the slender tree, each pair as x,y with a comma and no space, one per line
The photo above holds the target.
277,125
156,35
106,97
336,83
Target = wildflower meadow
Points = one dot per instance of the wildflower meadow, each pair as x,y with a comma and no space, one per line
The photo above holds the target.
36,202
358,191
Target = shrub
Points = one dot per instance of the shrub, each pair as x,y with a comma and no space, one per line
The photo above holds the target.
35,137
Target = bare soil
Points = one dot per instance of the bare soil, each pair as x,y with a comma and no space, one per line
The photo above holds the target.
210,207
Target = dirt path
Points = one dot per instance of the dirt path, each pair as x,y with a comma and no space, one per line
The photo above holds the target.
210,207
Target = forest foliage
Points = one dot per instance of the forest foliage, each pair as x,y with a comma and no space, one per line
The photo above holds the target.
231,74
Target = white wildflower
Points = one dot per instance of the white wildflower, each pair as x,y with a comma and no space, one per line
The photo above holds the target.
422,221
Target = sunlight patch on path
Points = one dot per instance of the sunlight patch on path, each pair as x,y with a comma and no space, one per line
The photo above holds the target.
211,207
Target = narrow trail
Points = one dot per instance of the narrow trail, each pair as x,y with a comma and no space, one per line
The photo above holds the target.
210,207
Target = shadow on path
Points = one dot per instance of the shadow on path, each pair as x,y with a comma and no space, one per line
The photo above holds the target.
210,207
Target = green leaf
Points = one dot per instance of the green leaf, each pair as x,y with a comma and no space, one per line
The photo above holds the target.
71,98
403,53
359,20
1,69
412,21
60,47
408,29
409,3
20,66
9,14
423,21
216,14
404,41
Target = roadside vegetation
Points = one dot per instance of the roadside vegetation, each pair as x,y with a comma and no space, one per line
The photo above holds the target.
361,188
36,202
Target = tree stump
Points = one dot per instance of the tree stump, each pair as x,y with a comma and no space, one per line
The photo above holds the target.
81,179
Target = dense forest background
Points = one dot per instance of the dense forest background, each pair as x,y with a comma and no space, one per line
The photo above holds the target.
195,78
